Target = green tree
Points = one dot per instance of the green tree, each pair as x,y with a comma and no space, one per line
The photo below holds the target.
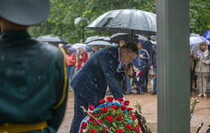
199,16
64,12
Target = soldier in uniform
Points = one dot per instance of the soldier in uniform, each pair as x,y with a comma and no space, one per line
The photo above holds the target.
33,78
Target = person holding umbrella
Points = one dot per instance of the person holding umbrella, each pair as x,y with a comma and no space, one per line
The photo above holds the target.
71,62
33,78
82,57
90,83
140,63
202,68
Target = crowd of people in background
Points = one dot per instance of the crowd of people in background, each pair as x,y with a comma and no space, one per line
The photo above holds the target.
146,67
143,63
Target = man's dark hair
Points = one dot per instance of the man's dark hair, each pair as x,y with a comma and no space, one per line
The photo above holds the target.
131,47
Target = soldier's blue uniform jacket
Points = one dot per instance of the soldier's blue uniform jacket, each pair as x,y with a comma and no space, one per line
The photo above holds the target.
33,81
99,71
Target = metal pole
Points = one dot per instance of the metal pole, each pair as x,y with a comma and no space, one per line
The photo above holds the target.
173,76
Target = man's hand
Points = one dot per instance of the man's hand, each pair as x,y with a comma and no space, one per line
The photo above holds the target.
203,61
141,56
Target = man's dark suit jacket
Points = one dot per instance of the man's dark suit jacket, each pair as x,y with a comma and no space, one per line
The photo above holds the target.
99,71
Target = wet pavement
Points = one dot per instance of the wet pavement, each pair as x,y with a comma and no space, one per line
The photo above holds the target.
148,103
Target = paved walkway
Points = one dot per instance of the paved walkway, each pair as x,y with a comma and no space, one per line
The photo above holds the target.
149,109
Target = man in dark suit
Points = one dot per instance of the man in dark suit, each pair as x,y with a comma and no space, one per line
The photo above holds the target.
90,82
33,78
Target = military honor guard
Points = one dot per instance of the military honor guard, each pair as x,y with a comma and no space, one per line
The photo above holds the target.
33,78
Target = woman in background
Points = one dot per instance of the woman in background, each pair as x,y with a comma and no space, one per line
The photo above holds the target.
202,68
82,57
70,62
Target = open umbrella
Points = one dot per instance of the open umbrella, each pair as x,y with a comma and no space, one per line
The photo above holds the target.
122,36
197,40
131,21
99,42
84,46
94,38
51,38
207,34
194,35
68,45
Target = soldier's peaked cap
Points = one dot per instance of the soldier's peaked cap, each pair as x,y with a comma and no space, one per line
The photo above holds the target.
25,12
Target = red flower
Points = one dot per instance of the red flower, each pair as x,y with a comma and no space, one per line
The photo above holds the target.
91,113
109,118
114,107
153,75
104,130
126,103
102,101
92,131
97,114
138,130
105,109
84,125
119,130
91,119
119,118
110,99
129,109
91,107
120,99
128,126
96,123
81,131
140,72
123,107
134,117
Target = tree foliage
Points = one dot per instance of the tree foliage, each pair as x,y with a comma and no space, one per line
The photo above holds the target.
199,16
64,12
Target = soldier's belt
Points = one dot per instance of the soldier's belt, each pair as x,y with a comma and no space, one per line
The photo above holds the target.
18,128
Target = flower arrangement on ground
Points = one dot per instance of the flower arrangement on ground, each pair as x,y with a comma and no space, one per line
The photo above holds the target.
118,118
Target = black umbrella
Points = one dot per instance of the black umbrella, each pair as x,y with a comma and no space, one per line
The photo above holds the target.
126,37
51,38
99,42
122,36
131,21
94,38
